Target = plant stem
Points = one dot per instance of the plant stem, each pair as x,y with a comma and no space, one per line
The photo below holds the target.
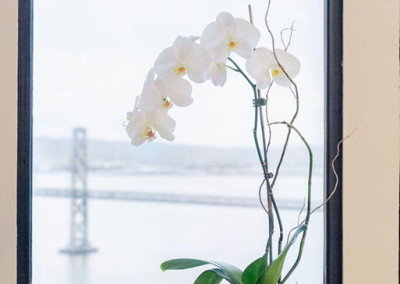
264,165
270,194
265,173
241,72
307,219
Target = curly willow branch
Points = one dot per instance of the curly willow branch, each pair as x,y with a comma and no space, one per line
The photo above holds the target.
291,29
334,172
336,181
296,92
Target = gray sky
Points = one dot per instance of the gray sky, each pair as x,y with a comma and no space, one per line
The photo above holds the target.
91,58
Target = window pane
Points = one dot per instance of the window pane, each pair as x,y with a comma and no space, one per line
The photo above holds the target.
195,197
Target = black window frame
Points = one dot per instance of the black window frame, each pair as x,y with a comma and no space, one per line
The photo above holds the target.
24,142
333,134
333,268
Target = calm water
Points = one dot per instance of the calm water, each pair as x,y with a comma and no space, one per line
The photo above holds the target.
134,238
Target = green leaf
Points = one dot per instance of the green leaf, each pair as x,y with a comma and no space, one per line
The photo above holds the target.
182,263
213,276
233,274
273,272
255,270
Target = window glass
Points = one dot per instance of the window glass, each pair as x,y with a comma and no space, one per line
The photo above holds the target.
195,197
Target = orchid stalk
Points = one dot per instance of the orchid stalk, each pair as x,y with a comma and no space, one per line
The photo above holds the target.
210,57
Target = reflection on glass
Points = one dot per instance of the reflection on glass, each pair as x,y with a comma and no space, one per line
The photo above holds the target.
196,197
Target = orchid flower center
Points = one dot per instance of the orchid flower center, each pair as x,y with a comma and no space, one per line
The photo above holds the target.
180,70
277,72
149,134
232,44
166,102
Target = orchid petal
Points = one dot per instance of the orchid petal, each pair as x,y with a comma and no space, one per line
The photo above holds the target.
164,124
282,81
149,78
136,127
198,63
229,34
165,63
182,47
227,23
263,82
177,89
245,50
247,32
194,38
258,66
291,65
150,99
218,74
212,37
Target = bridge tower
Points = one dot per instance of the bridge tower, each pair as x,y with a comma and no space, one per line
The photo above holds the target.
78,242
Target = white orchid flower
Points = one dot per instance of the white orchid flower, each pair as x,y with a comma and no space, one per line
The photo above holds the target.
164,93
184,57
228,34
142,126
291,65
263,67
194,38
259,65
218,74
218,71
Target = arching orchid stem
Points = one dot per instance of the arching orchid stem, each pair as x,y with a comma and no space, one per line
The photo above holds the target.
307,219
229,67
242,72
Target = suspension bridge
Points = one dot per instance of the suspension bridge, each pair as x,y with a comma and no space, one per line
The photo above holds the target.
159,197
79,195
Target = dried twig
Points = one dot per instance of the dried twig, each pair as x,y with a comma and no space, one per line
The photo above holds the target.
336,182
334,172
291,29
251,15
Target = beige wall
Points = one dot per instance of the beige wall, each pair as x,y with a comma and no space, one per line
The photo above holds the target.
8,127
371,156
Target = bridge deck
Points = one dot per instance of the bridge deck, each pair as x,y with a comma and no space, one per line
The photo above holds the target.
166,198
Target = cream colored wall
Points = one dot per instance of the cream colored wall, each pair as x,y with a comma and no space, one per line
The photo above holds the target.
371,156
8,140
